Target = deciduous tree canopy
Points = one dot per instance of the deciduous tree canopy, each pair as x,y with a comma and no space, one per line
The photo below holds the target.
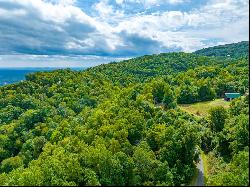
119,123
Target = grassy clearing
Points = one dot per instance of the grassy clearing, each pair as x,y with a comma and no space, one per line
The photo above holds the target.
201,109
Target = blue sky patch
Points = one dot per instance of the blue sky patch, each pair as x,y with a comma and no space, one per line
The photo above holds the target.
119,28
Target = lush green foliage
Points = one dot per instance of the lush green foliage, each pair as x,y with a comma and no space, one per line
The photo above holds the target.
227,139
235,50
119,124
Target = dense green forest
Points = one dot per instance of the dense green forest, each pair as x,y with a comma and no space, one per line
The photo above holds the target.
120,124
235,50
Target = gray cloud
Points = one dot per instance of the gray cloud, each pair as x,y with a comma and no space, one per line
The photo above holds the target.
42,27
142,44
30,33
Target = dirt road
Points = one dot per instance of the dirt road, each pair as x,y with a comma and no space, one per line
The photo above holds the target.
200,178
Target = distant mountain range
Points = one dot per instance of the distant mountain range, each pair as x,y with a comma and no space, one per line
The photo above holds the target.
13,75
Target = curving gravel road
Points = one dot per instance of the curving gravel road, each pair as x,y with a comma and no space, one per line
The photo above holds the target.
200,178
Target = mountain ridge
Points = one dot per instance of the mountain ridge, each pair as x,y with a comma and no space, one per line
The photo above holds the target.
233,50
121,124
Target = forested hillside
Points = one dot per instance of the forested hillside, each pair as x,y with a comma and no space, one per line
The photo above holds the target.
235,50
120,124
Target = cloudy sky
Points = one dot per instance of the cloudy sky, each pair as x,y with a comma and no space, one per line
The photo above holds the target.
114,29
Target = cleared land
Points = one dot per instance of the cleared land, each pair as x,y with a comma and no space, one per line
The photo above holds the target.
201,109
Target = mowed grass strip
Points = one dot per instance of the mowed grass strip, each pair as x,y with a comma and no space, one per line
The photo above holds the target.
205,165
201,108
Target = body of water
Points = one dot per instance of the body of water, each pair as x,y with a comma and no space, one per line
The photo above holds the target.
13,75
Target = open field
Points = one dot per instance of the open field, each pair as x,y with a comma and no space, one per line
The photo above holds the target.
201,109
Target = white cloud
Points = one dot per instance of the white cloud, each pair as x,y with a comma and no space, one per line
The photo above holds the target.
153,2
19,61
103,8
148,3
119,1
226,21
107,11
175,1
54,26
60,27
12,13
62,2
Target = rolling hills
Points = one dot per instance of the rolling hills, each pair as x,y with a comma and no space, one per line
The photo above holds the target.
120,124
